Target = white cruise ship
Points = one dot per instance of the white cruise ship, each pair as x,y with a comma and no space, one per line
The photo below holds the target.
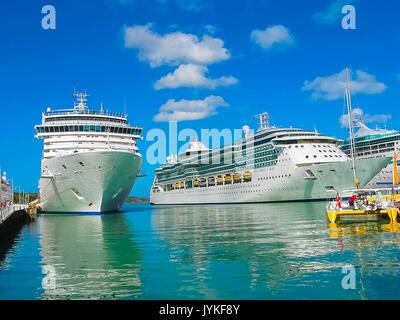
6,193
90,159
271,165
369,143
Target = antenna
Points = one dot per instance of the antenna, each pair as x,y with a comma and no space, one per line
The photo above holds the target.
264,120
81,99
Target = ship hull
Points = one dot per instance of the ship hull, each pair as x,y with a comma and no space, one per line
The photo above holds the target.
384,179
280,184
88,182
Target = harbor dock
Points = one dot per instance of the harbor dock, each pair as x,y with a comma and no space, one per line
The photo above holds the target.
15,214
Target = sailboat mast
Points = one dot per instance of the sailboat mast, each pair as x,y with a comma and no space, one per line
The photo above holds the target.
351,125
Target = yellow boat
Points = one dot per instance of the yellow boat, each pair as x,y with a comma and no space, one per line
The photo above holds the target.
366,202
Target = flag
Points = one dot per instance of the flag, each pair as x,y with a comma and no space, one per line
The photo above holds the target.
395,175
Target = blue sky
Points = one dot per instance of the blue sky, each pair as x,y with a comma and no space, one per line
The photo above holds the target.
209,64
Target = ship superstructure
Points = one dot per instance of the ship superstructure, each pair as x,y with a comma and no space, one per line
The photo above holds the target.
271,165
370,143
90,159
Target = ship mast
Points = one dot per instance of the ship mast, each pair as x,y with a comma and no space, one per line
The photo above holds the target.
81,100
351,126
264,120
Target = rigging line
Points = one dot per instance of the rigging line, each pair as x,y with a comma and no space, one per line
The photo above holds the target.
344,130
350,112
358,106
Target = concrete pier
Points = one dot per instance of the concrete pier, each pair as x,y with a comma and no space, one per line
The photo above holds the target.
14,214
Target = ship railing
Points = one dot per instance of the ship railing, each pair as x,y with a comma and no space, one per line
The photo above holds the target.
5,212
102,121
85,112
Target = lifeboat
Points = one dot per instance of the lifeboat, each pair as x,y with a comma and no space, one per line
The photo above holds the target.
220,180
211,181
196,183
177,185
247,176
203,182
228,179
182,185
237,178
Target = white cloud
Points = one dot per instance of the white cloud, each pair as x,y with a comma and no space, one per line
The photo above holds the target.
121,2
332,87
190,75
174,48
358,114
190,5
273,37
211,28
332,13
189,109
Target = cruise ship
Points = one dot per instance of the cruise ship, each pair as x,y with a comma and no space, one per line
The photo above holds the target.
6,192
369,143
90,159
271,165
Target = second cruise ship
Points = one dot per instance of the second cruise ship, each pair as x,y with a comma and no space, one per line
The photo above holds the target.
369,143
271,165
90,159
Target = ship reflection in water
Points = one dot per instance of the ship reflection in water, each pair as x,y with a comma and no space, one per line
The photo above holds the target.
89,256
252,251
274,251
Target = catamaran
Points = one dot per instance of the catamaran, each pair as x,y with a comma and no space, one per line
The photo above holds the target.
362,202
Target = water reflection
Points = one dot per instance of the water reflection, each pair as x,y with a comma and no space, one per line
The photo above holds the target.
272,242
93,257
344,229
262,251
8,238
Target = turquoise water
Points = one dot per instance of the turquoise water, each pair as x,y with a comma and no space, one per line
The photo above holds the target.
260,251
